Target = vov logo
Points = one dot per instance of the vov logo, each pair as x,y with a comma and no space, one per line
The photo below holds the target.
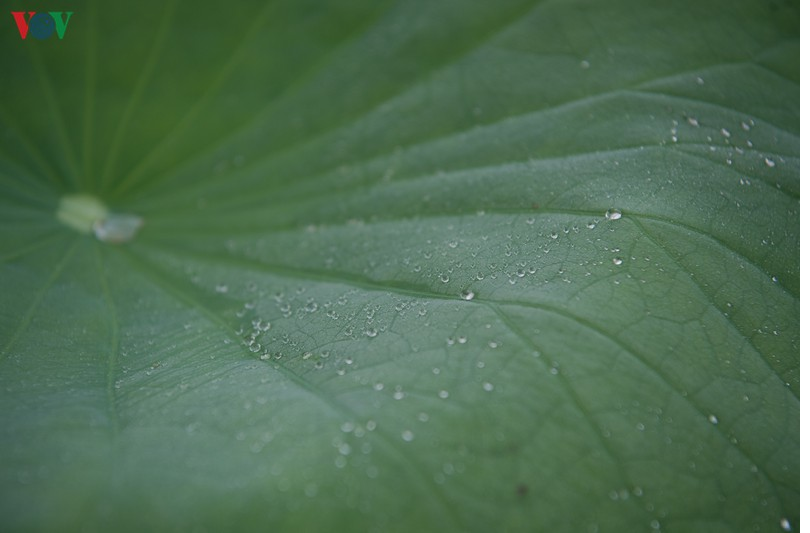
43,24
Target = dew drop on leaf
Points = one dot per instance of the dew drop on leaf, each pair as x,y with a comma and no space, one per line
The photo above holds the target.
467,294
117,227
613,214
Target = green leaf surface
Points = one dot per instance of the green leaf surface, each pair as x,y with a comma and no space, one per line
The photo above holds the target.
401,266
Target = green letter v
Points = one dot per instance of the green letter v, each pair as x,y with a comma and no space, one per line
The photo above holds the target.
61,24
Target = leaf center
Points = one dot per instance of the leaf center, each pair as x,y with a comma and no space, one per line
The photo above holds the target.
86,213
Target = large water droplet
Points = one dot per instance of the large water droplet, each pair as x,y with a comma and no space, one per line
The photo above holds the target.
467,294
613,214
117,227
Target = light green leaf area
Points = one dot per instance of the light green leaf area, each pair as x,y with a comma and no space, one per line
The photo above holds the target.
427,265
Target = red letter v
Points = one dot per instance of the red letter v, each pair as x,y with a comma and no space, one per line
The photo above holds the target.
22,24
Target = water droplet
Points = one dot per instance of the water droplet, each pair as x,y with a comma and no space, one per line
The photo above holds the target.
655,524
640,426
467,294
379,386
407,435
713,419
444,278
492,344
591,224
443,394
344,449
699,80
617,261
488,386
693,122
423,417
462,340
398,395
371,332
221,288
340,461
584,64
117,228
785,525
770,162
613,214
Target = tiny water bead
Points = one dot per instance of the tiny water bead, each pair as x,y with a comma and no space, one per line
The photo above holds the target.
613,214
713,419
617,261
785,525
407,435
